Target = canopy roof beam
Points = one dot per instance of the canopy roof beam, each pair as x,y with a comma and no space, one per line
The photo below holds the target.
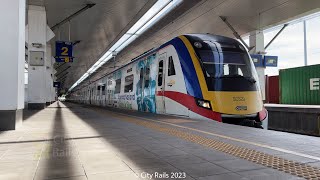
235,33
283,27
72,16
57,74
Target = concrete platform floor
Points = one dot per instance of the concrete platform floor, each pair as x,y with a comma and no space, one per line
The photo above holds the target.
72,141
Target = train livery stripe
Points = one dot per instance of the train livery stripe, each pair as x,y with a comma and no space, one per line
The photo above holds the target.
197,66
189,72
189,102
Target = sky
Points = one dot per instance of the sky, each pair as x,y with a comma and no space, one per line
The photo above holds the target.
289,45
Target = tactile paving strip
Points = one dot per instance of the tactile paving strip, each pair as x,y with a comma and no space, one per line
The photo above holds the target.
284,165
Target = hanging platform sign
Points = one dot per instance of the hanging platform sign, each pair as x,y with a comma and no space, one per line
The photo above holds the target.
271,61
64,51
257,60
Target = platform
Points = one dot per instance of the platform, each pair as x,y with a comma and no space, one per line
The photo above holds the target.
72,141
302,119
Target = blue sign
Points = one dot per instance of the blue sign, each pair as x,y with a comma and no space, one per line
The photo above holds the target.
257,60
271,61
57,84
64,51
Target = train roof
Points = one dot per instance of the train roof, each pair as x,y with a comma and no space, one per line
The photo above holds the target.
190,37
211,37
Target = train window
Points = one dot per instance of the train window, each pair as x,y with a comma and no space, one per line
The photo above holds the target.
171,70
128,83
160,73
118,86
103,89
146,78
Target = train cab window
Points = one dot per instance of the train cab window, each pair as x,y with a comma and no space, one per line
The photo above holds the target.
147,78
118,86
221,60
160,73
103,89
171,70
227,66
128,83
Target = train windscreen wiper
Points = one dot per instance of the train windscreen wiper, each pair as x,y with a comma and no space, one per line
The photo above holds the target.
250,79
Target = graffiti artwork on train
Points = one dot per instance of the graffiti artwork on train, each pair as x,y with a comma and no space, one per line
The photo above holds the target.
146,85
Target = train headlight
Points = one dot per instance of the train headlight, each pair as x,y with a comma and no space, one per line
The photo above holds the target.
203,103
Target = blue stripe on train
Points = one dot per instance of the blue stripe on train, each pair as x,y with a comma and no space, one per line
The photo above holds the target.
189,72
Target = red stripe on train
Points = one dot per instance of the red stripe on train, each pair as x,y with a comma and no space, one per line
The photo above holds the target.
189,102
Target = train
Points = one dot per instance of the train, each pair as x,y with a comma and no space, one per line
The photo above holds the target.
197,76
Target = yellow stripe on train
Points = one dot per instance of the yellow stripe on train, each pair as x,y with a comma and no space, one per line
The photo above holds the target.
197,66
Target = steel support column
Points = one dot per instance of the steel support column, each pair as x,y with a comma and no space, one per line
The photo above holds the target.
305,43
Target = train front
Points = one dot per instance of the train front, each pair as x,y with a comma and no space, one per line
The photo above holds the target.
232,87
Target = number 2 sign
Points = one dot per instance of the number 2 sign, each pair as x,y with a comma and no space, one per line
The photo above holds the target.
64,51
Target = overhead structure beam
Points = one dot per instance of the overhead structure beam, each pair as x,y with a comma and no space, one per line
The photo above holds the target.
63,80
76,42
235,33
283,27
88,6
62,75
57,74
60,65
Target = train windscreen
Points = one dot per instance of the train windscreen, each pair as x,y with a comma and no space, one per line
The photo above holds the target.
227,63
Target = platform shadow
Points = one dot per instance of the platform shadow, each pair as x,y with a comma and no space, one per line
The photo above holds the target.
27,114
128,148
58,156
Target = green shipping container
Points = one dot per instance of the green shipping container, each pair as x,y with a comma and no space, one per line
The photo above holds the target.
300,85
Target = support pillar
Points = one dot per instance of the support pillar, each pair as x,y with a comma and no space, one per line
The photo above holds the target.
54,90
37,28
12,59
256,39
49,79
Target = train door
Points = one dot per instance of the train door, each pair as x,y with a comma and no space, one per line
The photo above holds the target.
146,86
103,92
160,84
91,94
94,94
109,91
174,85
98,94
140,90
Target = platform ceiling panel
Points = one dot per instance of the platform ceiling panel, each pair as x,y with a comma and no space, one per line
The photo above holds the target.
203,17
96,28
99,27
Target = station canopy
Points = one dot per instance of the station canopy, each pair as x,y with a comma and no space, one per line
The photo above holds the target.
106,26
